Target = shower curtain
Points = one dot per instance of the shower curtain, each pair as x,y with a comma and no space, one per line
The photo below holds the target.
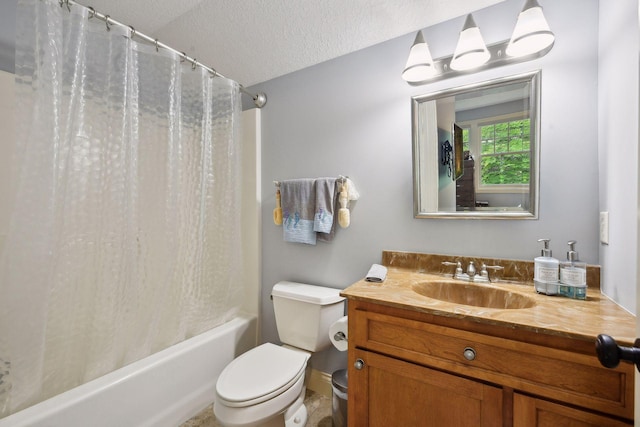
125,231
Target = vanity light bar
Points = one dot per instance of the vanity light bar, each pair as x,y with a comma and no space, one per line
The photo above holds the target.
497,59
531,38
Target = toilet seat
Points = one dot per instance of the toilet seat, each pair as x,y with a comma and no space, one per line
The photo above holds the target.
260,374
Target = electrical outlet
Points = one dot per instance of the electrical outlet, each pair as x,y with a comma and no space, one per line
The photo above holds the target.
604,228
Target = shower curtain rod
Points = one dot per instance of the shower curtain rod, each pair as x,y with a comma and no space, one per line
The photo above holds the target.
259,99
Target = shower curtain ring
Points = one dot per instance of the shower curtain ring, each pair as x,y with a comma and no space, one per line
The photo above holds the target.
194,63
133,32
65,3
156,43
182,56
106,20
93,12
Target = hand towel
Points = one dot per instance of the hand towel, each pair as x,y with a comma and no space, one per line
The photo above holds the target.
325,201
377,273
298,209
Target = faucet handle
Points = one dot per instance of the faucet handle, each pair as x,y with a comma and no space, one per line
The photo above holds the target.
484,273
457,264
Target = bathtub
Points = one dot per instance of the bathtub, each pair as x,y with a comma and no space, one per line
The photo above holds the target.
164,389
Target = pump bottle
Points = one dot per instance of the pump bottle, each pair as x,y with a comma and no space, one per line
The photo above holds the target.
573,275
546,270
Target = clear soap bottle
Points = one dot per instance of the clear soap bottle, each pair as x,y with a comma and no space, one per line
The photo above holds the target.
573,275
546,269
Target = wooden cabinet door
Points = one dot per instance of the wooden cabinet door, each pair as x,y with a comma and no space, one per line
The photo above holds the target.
388,392
532,412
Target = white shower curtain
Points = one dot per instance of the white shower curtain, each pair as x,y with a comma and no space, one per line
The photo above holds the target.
125,232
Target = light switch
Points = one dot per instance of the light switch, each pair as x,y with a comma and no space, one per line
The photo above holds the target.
604,228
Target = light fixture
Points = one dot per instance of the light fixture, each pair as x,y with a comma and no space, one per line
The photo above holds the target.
532,38
532,32
420,64
471,52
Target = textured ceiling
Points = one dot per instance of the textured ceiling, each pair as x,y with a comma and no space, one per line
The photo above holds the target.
252,41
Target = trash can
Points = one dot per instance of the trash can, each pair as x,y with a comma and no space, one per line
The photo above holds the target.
339,398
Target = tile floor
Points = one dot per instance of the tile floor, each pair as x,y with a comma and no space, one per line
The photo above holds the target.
318,405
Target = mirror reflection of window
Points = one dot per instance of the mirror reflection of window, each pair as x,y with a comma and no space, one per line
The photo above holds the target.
502,150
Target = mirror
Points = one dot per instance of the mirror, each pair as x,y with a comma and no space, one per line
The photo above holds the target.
476,150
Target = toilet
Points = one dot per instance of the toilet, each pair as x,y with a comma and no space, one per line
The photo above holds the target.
266,385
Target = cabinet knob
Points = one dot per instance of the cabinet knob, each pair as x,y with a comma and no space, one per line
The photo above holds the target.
359,364
469,353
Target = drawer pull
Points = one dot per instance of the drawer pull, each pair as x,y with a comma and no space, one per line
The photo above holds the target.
469,353
359,364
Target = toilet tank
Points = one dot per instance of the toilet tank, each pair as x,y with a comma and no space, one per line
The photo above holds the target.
305,312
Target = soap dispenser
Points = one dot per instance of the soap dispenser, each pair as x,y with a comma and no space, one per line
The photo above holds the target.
546,269
573,275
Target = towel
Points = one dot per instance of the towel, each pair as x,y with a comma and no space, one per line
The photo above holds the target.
377,273
298,210
352,192
325,201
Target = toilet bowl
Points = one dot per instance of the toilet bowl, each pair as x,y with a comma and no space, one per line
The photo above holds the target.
260,385
266,385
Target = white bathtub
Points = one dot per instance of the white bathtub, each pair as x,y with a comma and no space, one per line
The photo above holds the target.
164,389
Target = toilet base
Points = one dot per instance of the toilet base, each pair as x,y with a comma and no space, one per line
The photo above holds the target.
296,415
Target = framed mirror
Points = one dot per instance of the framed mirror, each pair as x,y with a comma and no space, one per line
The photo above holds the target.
476,150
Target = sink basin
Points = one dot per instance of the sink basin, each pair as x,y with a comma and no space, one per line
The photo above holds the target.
473,294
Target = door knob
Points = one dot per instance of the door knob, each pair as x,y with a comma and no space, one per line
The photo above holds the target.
359,364
610,354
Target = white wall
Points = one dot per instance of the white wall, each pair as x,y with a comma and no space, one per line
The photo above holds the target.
618,146
251,209
352,116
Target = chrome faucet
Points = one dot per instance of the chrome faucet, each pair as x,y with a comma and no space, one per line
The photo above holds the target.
458,274
471,275
471,271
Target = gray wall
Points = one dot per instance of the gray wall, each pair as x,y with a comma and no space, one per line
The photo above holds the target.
351,116
618,147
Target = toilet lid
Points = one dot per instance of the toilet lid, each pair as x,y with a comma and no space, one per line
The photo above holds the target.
260,374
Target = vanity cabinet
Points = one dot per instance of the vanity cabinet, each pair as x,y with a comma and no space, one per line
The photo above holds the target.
533,412
421,369
392,392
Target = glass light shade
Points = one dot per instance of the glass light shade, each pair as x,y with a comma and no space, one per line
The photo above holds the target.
471,52
532,32
420,63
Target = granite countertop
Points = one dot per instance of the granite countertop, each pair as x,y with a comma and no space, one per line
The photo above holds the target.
555,315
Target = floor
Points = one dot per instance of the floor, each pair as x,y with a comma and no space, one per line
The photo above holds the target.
318,405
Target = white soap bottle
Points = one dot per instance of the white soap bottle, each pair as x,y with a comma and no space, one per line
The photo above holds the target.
573,275
546,271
